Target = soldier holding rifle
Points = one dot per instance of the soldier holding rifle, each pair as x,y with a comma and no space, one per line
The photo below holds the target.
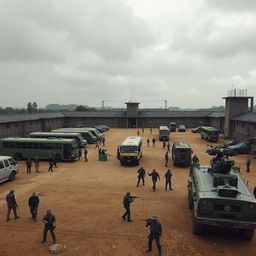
128,199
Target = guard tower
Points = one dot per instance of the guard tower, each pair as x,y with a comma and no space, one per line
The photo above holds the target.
132,113
236,103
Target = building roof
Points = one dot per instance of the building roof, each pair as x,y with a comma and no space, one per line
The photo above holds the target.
174,113
6,118
96,114
248,117
217,114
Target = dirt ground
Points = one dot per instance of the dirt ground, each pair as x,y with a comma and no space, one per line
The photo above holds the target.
86,199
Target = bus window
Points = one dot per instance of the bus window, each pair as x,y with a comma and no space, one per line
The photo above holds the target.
36,145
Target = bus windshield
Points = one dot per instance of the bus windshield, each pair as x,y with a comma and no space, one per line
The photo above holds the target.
129,149
164,132
80,137
214,133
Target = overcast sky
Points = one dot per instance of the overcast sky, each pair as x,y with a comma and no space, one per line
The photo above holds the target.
189,53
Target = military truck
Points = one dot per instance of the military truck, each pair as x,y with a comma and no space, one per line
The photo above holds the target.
219,196
172,126
164,133
181,153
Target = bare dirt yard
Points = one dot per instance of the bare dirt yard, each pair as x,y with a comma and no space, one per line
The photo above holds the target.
86,199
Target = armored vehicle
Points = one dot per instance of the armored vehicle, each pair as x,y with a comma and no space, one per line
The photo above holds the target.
181,153
219,196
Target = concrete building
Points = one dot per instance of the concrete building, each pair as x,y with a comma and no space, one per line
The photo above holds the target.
238,121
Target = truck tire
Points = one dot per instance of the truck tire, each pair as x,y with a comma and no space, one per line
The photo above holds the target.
12,176
190,201
197,229
247,234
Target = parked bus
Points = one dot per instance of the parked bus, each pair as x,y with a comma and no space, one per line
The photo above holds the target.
172,126
85,133
130,151
20,148
209,133
94,132
164,133
76,136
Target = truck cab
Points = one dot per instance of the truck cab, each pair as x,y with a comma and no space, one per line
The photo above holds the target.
8,168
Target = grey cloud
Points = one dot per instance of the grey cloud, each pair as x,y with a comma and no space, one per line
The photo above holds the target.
106,27
233,5
213,40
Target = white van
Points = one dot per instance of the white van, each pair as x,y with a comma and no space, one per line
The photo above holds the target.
8,168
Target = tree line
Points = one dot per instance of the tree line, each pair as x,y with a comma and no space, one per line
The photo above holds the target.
32,107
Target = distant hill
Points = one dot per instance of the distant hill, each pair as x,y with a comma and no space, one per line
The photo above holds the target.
58,107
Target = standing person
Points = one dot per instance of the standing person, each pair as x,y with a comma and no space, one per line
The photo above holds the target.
154,176
168,179
36,160
248,164
169,147
80,154
49,224
33,203
150,130
164,144
138,132
29,164
54,161
195,159
11,205
153,141
155,234
141,176
51,163
128,199
148,141
166,158
85,155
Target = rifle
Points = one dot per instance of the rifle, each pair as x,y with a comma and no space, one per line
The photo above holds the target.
147,220
134,197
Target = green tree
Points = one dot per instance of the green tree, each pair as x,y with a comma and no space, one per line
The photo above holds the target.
32,107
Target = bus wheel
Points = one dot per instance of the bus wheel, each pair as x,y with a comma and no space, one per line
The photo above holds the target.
57,157
18,156
246,234
12,176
